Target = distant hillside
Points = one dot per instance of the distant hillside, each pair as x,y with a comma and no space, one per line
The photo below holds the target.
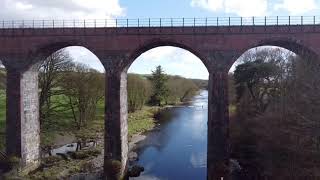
201,83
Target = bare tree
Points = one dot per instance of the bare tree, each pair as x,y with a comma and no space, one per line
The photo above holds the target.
84,88
49,76
139,92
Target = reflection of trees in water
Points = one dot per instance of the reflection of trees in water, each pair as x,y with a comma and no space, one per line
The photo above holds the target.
166,115
180,140
159,137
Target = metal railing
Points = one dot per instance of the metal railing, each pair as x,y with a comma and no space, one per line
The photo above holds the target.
163,22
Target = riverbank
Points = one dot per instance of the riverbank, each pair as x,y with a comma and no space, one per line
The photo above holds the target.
90,160
142,120
60,129
176,147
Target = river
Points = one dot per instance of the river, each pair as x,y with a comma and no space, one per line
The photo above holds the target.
177,148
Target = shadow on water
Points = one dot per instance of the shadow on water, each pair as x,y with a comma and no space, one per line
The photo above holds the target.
177,148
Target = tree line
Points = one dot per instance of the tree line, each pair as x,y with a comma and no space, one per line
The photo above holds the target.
72,94
275,129
67,87
158,89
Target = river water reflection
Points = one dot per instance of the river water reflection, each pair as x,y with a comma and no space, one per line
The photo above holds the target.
178,149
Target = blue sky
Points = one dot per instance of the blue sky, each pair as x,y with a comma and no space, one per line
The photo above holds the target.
213,8
174,60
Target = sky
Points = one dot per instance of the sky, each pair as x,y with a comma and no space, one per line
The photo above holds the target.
174,60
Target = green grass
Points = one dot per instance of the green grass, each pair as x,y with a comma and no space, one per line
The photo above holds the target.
141,120
58,123
62,123
138,122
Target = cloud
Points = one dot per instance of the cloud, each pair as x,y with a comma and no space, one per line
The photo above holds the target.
213,5
157,54
64,9
84,56
60,9
175,61
238,7
295,7
247,7
23,6
176,55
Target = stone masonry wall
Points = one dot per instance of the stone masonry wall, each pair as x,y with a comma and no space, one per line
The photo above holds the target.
30,126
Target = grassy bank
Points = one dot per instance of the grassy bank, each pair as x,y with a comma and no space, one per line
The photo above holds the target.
141,120
138,122
62,123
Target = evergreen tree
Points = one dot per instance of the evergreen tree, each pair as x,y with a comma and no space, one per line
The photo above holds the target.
160,90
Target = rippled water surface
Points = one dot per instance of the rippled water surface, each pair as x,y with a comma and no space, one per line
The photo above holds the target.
178,150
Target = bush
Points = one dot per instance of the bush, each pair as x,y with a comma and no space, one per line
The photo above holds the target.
139,91
180,89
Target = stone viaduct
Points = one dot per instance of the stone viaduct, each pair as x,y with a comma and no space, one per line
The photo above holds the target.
217,47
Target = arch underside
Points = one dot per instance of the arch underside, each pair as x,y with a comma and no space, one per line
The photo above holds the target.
299,49
218,105
292,46
42,53
138,49
160,43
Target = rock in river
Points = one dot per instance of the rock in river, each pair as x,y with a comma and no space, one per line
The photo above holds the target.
135,171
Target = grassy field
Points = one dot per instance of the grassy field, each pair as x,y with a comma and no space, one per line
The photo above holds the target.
141,120
62,123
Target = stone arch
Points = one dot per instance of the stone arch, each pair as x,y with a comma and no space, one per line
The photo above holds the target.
291,44
43,51
160,43
116,147
23,105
